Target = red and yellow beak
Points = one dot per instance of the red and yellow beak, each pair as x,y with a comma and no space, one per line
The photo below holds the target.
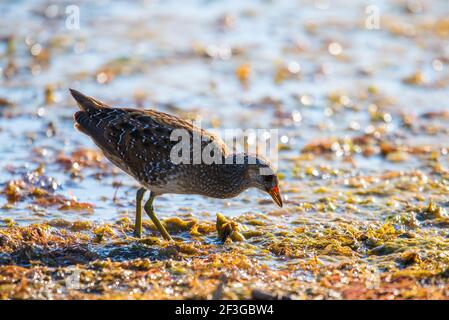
276,195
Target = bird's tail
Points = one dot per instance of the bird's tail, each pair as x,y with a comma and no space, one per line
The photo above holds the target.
85,103
85,119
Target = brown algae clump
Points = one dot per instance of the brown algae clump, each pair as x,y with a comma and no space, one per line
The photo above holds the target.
228,229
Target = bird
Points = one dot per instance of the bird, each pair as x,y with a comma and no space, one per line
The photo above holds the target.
140,142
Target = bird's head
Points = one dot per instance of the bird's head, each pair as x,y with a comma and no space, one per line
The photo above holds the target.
262,175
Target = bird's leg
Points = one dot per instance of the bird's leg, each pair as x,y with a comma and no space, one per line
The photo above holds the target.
138,227
150,212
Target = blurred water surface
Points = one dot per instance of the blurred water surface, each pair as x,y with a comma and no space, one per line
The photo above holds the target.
311,69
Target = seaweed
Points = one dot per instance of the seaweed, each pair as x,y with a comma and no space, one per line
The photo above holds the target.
228,229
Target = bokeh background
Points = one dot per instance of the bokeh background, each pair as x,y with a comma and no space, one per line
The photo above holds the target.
357,89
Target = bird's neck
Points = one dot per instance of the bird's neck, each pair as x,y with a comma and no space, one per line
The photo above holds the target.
226,180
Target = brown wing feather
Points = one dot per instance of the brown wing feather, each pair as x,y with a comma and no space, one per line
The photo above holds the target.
173,122
137,141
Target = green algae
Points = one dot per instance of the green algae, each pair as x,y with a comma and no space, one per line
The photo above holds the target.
228,229
354,250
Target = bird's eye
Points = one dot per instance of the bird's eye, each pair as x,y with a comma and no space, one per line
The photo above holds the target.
267,178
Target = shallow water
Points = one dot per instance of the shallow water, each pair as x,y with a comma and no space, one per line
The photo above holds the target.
316,72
